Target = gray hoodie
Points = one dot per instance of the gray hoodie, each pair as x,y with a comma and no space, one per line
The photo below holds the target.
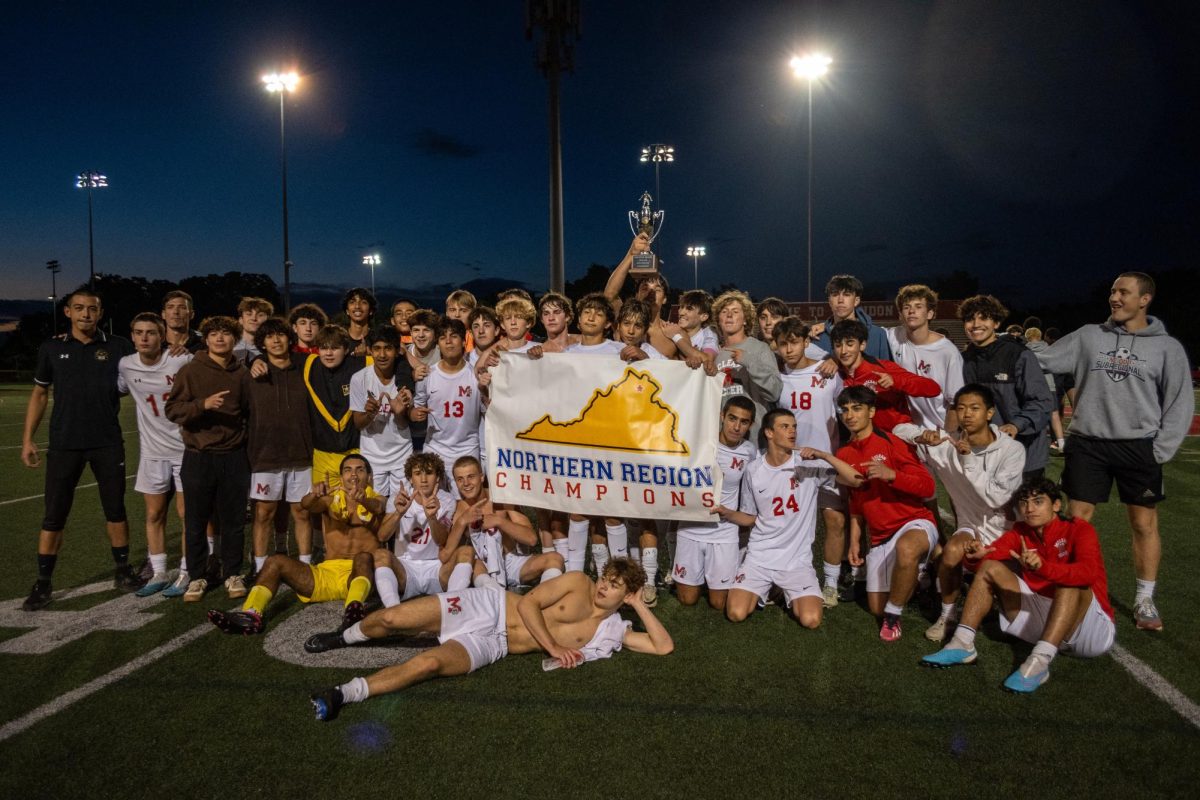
1130,384
754,374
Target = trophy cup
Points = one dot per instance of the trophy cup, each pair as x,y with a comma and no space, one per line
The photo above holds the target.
650,223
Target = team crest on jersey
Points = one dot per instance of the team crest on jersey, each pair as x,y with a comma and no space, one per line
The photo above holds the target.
794,481
345,390
1120,364
102,355
924,367
879,458
737,463
680,571
818,382
741,576
464,391
454,605
1061,545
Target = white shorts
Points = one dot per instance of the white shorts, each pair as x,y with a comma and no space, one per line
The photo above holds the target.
881,560
421,577
274,485
513,564
387,483
830,494
1094,636
158,475
477,620
801,581
712,563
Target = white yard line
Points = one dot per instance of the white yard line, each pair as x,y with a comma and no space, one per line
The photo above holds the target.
36,496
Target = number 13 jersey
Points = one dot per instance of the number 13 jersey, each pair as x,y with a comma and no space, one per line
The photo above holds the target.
454,413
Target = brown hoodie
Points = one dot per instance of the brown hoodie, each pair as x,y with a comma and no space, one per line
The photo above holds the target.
280,435
215,429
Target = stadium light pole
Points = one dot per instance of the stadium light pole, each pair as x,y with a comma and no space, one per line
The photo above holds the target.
810,67
54,268
696,252
91,180
658,154
373,260
283,82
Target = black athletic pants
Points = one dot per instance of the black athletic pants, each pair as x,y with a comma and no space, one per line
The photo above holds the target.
216,484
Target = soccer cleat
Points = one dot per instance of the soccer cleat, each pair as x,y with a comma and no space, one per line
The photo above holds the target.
327,703
649,595
179,586
938,630
39,597
1145,615
949,657
1029,676
324,642
236,586
829,597
195,590
354,612
246,623
889,631
145,571
153,586
125,579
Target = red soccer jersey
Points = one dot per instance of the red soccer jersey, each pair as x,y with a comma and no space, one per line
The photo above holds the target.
891,404
1070,553
885,506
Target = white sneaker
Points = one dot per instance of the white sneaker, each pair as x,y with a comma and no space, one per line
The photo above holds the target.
195,590
649,595
938,630
829,596
236,586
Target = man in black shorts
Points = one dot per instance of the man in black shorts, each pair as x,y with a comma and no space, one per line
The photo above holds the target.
80,367
1133,406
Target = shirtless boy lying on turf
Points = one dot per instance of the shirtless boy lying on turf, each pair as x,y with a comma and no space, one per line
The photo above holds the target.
571,618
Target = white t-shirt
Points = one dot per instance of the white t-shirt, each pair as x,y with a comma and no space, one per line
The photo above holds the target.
149,386
938,360
784,499
413,531
705,340
733,462
606,348
454,412
384,442
812,399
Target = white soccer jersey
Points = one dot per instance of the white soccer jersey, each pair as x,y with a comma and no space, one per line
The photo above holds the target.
413,531
705,340
384,442
606,348
733,462
454,412
524,347
488,544
784,501
149,386
940,361
812,399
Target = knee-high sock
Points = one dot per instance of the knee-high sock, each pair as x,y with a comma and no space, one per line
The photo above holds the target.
618,540
550,574
258,599
560,547
460,578
359,588
388,586
577,533
599,557
650,564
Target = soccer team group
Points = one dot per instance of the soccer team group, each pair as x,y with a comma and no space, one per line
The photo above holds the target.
367,442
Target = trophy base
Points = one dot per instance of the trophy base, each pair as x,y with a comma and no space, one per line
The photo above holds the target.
644,264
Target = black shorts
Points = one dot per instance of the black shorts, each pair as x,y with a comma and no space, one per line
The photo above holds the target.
63,470
1093,464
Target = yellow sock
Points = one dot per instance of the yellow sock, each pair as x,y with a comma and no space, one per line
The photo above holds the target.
258,599
360,587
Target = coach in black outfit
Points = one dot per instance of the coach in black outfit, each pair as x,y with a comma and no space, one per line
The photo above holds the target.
80,366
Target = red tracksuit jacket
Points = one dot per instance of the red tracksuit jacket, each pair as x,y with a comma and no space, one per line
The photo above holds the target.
887,507
891,404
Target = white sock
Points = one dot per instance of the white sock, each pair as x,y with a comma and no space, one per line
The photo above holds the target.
577,533
258,563
635,553
618,540
388,586
158,563
355,691
1144,589
948,610
485,581
460,578
832,573
599,558
306,558
892,608
210,545
183,564
856,573
650,564
560,547
1045,650
551,574
963,639
354,634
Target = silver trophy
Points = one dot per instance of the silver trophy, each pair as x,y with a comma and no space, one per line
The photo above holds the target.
650,223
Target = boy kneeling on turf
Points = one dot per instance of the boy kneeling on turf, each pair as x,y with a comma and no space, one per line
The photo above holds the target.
1048,574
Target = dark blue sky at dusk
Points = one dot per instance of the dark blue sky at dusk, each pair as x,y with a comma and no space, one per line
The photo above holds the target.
1036,144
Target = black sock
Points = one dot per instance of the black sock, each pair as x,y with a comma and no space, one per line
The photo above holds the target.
46,567
120,555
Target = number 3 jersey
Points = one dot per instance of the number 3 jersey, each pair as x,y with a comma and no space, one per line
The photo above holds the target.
812,399
149,385
454,412
784,498
734,462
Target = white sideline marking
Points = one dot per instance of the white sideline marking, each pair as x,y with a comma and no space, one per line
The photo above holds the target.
36,496
42,712
1142,672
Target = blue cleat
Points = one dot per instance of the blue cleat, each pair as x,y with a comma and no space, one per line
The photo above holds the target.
949,657
155,585
327,703
179,587
1032,674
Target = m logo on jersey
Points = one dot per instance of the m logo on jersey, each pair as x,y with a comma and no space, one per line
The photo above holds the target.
464,391
923,367
737,463
795,482
818,382
454,605
262,489
1120,364
680,571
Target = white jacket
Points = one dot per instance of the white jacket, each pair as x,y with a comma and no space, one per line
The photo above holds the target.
980,484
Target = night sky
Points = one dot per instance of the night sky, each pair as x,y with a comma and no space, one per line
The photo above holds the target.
1043,146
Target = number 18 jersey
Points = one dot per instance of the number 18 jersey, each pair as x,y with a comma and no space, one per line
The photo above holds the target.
149,385
812,399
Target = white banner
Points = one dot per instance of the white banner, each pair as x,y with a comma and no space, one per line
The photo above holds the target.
593,435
